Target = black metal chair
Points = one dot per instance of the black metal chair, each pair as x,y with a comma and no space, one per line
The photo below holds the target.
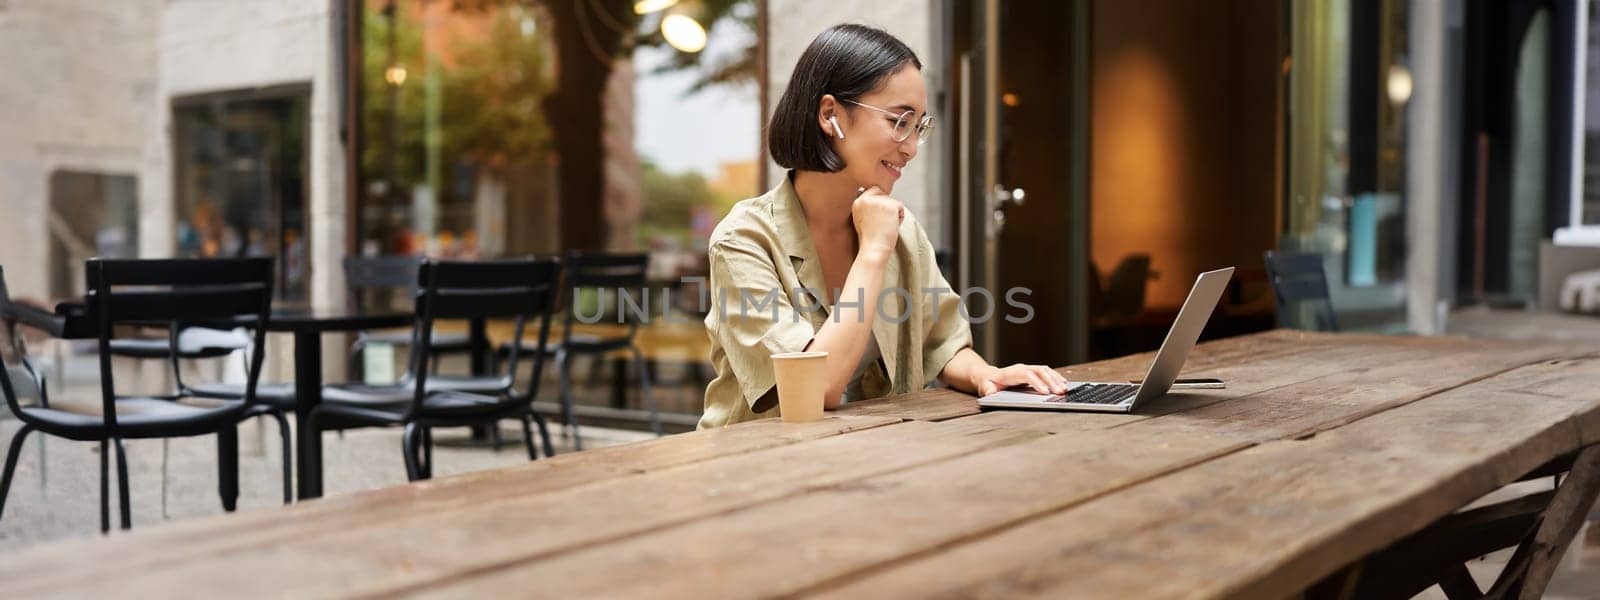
366,274
159,292
1298,279
598,271
517,289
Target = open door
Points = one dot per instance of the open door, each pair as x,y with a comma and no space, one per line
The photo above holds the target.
1021,205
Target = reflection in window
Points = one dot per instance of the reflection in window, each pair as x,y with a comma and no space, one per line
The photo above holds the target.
1349,85
240,184
455,149
91,214
698,126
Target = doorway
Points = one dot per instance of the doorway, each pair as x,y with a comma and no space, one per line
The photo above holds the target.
1019,128
1109,152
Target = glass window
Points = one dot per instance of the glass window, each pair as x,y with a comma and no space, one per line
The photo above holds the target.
1349,84
91,214
455,151
698,136
240,185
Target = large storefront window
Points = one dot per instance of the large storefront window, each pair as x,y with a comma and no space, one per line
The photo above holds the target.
1348,89
456,154
240,184
698,136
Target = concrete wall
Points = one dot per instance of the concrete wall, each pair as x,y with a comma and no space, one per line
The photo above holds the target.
791,25
79,75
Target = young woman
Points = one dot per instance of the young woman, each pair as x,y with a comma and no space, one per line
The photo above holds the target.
851,119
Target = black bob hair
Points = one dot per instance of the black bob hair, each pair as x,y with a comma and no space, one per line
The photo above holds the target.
848,61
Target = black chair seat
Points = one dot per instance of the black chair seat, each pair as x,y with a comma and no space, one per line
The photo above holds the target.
137,417
579,344
441,342
388,404
280,395
487,384
193,342
367,395
401,393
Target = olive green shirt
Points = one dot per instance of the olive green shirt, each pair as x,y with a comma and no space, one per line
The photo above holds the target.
763,263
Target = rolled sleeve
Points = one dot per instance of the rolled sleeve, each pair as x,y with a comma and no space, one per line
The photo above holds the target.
947,332
755,316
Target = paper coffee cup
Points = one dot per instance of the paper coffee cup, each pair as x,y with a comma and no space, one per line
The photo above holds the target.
802,380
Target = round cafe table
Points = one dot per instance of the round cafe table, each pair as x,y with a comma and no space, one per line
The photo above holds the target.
307,327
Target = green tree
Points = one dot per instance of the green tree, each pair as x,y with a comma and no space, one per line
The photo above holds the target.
590,35
669,201
490,114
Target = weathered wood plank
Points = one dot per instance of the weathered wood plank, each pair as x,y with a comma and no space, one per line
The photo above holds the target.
1244,380
196,539
886,518
1338,377
896,506
943,404
922,405
785,546
380,557
1268,521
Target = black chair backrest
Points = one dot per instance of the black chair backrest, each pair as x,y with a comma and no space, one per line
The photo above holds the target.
364,273
520,289
1298,279
225,292
1125,288
625,275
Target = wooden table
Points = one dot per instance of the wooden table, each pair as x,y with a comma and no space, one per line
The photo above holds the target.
1323,450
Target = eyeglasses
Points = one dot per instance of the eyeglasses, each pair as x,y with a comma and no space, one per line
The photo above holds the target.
905,123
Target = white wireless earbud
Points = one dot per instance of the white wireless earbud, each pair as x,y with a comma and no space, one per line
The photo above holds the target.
836,130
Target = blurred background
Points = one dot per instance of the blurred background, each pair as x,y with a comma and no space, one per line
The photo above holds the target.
1433,156
1382,166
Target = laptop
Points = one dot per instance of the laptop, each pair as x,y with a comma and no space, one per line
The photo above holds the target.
1126,397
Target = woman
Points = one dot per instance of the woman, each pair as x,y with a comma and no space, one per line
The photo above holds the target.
850,121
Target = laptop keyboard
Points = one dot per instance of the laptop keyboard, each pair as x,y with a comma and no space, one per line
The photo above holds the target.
1099,393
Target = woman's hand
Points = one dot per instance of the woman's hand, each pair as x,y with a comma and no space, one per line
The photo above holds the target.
991,379
877,220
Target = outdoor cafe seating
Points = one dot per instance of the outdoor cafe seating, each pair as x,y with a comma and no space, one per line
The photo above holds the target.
143,292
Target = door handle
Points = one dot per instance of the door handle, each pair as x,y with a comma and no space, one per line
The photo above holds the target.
999,200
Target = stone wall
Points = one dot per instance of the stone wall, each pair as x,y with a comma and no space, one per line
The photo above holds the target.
79,76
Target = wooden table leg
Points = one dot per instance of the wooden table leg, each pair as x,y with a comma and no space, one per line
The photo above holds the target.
1458,584
1535,561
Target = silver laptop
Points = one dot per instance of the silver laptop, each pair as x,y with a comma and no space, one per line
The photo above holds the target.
1125,397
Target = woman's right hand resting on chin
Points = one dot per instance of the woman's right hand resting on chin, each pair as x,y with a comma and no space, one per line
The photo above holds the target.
877,219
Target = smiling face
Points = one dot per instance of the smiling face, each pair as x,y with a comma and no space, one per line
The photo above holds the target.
871,156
